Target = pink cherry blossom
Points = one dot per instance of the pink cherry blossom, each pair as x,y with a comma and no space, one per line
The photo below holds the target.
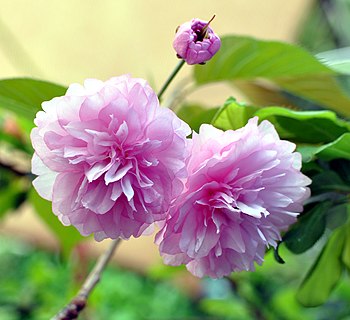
196,42
109,157
244,187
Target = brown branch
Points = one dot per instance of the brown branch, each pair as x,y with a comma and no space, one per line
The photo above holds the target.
71,311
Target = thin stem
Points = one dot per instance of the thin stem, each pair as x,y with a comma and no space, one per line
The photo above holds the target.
71,311
171,77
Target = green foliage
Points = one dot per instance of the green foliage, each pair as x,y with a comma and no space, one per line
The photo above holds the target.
13,191
310,227
227,308
247,58
195,115
297,126
289,68
338,149
337,59
36,285
325,273
68,236
23,96
233,115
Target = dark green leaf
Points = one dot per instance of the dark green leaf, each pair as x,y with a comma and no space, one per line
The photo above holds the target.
277,256
337,215
287,67
325,273
328,181
195,115
24,96
342,167
68,236
12,196
309,228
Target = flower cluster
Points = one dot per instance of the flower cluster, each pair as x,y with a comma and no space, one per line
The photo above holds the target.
113,162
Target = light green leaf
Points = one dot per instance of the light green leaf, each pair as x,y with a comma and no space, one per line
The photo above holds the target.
68,236
305,126
337,59
24,96
233,115
307,151
325,273
298,126
346,251
287,67
195,115
339,148
248,58
227,308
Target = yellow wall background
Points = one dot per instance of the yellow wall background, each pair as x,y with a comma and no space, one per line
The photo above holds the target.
67,41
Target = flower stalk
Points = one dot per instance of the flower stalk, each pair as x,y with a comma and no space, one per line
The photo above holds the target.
170,78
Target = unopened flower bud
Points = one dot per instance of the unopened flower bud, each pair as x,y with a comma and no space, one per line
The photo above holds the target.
196,42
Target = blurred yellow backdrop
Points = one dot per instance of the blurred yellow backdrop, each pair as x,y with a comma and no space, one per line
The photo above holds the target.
67,41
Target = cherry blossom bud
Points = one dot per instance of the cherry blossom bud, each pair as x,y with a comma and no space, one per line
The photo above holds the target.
195,41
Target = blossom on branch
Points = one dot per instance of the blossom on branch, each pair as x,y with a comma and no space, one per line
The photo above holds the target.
196,42
109,157
244,187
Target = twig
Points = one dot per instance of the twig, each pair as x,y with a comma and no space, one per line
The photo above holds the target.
78,303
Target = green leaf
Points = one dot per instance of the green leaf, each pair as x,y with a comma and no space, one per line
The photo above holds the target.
338,149
325,272
328,181
287,67
297,126
305,126
342,167
68,236
12,196
227,308
247,58
233,115
337,215
196,115
346,251
337,59
309,228
307,152
24,96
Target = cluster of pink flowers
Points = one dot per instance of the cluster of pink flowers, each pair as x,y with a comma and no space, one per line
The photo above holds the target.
113,163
